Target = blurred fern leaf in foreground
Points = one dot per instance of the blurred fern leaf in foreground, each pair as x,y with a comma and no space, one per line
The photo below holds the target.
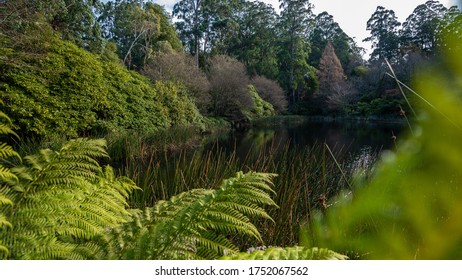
411,209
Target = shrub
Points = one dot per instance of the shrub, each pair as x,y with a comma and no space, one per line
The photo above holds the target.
228,80
52,87
179,67
271,92
261,108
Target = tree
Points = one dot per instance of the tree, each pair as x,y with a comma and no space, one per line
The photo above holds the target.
327,30
179,67
139,29
228,81
294,24
421,28
333,89
200,21
450,29
74,19
253,43
330,69
383,26
271,92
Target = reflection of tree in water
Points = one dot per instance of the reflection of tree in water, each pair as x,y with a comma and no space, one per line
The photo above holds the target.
346,139
254,141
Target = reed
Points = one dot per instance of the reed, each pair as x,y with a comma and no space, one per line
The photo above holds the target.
306,174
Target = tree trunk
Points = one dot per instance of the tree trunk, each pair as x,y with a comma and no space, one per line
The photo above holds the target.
196,51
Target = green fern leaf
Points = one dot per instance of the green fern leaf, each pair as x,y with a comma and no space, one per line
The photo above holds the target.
195,224
289,253
64,203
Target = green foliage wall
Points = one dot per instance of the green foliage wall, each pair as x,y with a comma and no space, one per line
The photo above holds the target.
52,87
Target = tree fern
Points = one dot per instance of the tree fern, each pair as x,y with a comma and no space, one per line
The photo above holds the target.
196,224
64,202
289,253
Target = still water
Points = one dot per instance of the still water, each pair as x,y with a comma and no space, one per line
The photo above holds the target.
345,138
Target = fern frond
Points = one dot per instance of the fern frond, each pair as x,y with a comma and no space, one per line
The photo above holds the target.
195,224
7,151
64,203
289,253
5,129
6,178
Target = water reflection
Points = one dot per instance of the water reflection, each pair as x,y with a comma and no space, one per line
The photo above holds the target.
345,138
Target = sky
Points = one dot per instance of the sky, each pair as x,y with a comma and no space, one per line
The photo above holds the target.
351,15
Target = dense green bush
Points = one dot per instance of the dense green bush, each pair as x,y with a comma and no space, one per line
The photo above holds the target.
52,87
377,106
261,107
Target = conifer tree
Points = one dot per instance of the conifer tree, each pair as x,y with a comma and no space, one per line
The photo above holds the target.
334,91
330,72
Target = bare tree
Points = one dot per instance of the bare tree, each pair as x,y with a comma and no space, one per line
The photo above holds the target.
229,91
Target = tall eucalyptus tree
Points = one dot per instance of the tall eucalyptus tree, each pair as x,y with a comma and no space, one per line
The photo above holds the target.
384,28
254,41
201,22
295,23
421,28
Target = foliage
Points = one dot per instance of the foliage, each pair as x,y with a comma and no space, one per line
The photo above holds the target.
383,26
330,70
6,151
63,203
200,21
271,92
377,106
335,93
410,209
261,107
195,224
228,87
288,253
179,67
74,19
295,20
51,87
139,30
450,27
421,28
253,42
327,30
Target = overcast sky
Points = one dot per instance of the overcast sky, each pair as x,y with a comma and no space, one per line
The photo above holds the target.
352,15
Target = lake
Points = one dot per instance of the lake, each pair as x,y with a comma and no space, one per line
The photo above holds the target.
309,177
345,138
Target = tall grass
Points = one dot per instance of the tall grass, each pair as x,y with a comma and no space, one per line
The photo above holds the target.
306,175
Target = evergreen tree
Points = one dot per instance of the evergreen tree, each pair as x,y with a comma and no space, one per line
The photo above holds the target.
139,30
294,26
421,27
327,30
383,26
